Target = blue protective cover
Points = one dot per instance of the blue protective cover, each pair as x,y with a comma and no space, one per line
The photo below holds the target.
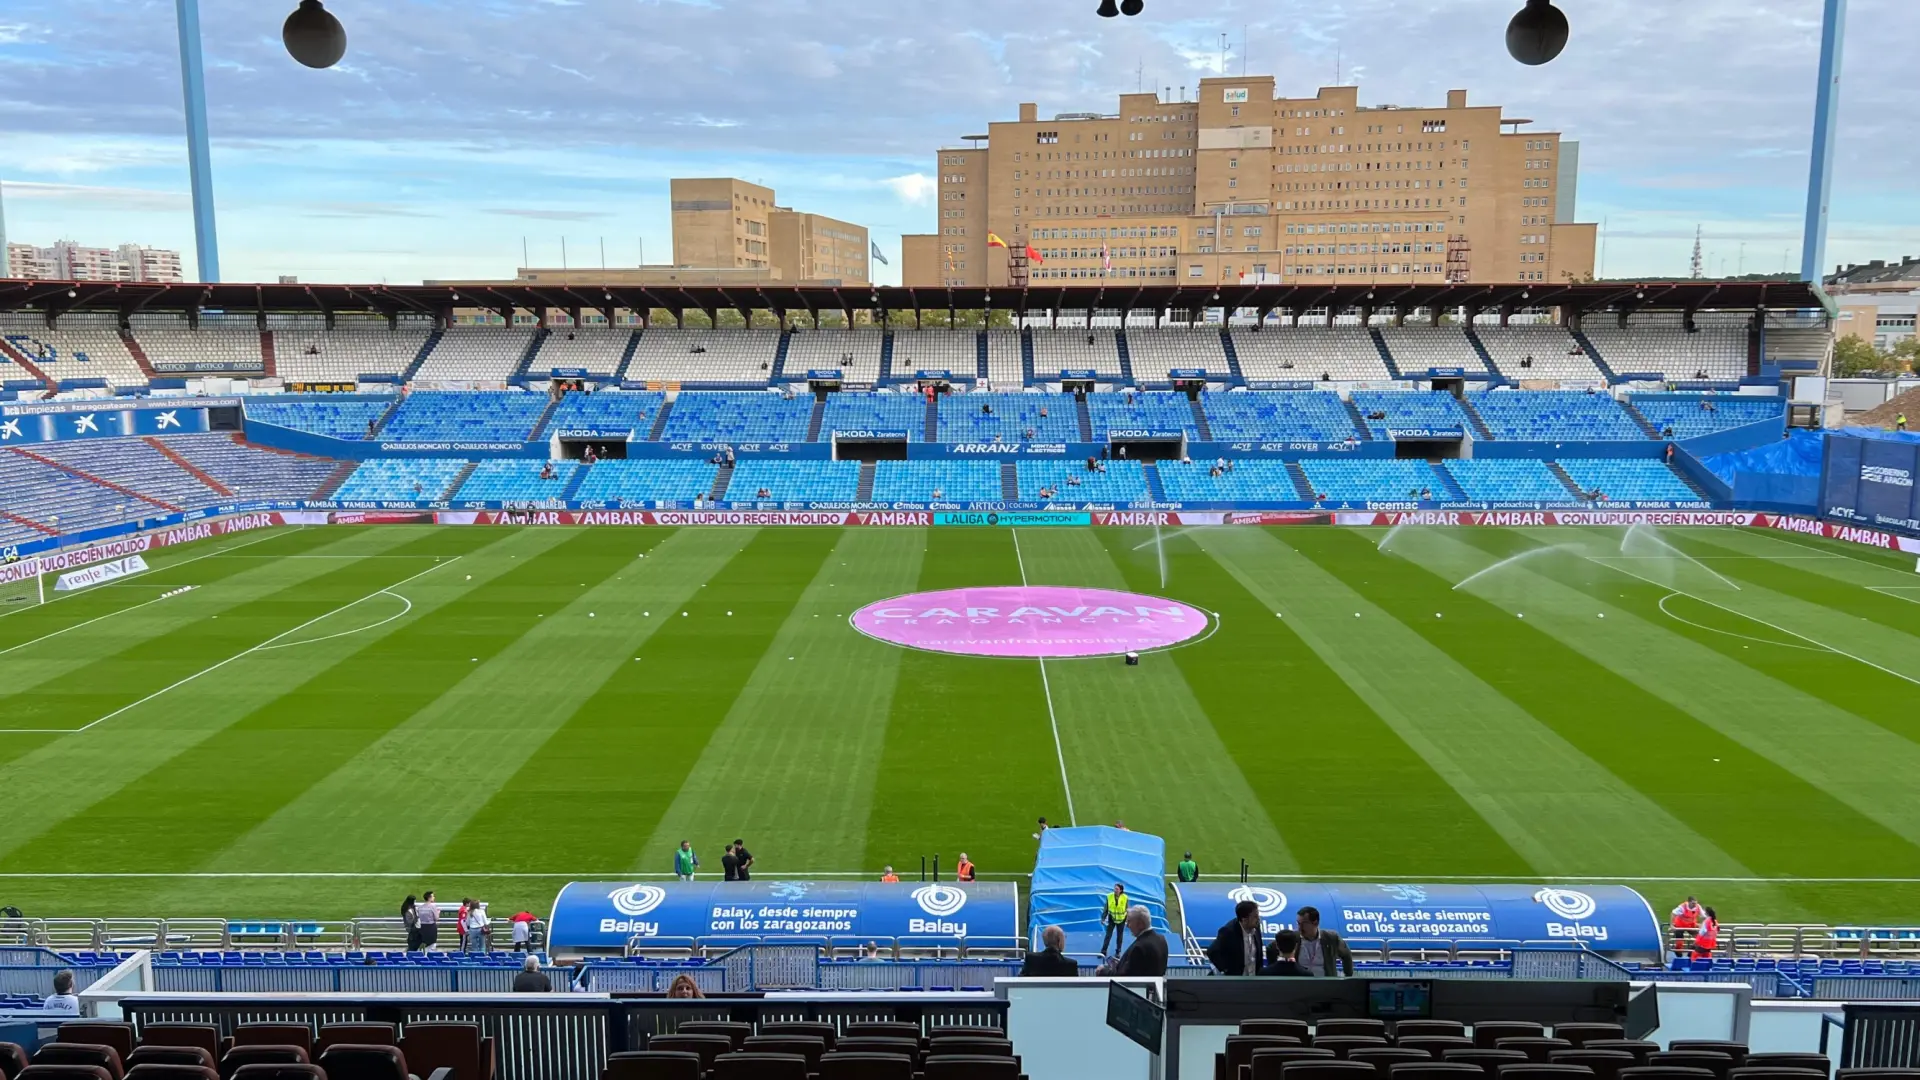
1779,476
1077,868
604,914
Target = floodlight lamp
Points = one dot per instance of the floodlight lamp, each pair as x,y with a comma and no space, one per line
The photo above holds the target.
1537,33
313,36
1108,9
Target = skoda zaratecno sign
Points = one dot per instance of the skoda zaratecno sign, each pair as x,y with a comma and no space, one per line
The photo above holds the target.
1606,918
606,914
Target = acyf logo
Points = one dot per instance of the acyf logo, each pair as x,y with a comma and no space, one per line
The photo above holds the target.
637,899
1565,902
1271,901
939,901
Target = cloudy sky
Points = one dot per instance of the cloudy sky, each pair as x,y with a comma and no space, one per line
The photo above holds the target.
454,131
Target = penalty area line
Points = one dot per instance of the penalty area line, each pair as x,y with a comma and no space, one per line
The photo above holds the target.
152,570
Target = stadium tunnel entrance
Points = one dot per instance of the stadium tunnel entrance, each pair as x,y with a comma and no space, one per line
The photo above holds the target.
603,449
1146,447
869,446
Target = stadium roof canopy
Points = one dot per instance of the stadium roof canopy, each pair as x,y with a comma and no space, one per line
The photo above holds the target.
59,297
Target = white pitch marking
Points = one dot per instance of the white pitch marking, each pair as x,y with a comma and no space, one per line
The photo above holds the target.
89,622
169,566
1046,685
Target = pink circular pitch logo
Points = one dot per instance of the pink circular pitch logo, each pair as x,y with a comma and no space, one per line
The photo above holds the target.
1031,621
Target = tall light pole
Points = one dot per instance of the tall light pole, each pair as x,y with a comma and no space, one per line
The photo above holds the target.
193,82
1826,112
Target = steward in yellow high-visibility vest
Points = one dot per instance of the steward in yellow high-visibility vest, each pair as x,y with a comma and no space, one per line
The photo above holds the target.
1114,916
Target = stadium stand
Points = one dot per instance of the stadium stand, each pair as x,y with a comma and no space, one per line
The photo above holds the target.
955,351
516,480
955,481
465,416
737,416
1545,353
607,410
135,465
1302,415
1250,480
1655,344
1378,481
1057,349
1404,410
1629,479
1508,479
250,472
1313,354
963,419
1425,348
642,481
309,352
669,354
400,480
854,353
1554,415
596,350
1156,351
1006,364
475,354
855,411
1069,481
60,501
1691,415
335,416
80,347
222,342
1152,410
795,481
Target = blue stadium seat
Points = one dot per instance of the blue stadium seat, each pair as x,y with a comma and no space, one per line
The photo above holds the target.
1406,409
956,481
1156,411
1373,481
607,410
516,480
400,480
794,481
1630,480
322,414
849,411
1692,415
1014,414
1508,480
1250,480
635,481
746,416
465,416
1280,416
1119,482
1554,416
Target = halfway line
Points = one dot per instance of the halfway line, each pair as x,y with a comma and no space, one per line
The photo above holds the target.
1046,685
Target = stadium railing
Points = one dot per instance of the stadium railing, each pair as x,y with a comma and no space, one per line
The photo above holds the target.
267,934
1821,941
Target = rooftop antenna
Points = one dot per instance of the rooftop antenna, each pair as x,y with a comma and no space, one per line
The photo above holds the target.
1243,50
1139,76
563,253
1603,248
1698,262
1337,58
524,260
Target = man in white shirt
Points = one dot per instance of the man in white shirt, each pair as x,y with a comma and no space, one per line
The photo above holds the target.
63,998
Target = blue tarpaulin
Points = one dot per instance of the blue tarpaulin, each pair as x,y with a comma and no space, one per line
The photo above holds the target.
1078,867
1782,475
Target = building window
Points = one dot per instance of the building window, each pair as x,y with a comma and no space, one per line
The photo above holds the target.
1196,270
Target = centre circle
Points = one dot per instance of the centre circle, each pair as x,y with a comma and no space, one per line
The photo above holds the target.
1031,621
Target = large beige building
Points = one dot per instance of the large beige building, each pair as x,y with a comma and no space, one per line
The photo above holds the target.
722,223
68,261
1245,187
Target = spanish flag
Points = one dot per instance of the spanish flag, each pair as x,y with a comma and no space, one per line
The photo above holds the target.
995,241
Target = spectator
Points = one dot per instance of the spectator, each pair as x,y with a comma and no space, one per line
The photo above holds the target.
1052,959
1121,825
683,986
63,999
460,922
1237,946
963,870
522,923
1042,826
730,865
1708,938
531,979
746,858
428,914
1114,916
479,929
410,918
1280,959
888,877
1686,922
1147,956
870,953
1321,951
685,861
1188,870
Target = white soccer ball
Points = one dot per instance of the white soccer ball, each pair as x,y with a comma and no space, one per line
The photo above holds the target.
590,615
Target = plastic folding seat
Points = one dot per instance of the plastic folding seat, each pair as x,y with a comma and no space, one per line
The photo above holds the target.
1350,1027
1419,1029
170,1055
1606,1064
653,1065
1639,1048
1534,1070
99,1033
1326,1070
1780,1060
1536,1047
171,1072
360,1033
969,1046
279,1072
1489,1061
1581,1034
1435,1045
969,1067
347,1061
1487,1035
204,1036
13,1059
804,1028
1878,1074
1714,1061
262,1054
1735,1050
735,1032
882,1029
1384,1058
459,1047
709,1047
1775,1072
64,1072
752,1066
875,1044
1240,1049
847,1065
1341,1044
810,1047
1665,1072
299,1035
59,1053
1435,1070
1296,1029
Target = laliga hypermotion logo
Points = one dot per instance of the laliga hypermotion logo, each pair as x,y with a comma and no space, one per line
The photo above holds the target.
1572,906
940,902
637,899
1270,901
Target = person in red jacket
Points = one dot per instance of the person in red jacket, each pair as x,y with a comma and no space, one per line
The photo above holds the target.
1708,937
1686,923
964,870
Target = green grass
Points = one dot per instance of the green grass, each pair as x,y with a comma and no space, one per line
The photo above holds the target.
335,717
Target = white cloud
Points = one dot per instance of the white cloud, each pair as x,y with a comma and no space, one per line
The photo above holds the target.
915,189
101,197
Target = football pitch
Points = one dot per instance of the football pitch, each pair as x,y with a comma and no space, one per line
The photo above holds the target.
333,717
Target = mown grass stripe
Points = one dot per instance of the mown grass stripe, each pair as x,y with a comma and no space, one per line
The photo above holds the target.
791,769
536,655
1305,740
1565,813
1139,745
968,762
1837,584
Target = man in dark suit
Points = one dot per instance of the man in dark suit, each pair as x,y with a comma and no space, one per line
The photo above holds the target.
1236,948
1280,959
1148,953
1321,950
1051,960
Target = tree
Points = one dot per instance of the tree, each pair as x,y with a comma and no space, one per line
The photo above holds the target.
1906,354
1854,357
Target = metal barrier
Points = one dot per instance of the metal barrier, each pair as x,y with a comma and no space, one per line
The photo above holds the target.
1866,988
267,935
340,979
1820,941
